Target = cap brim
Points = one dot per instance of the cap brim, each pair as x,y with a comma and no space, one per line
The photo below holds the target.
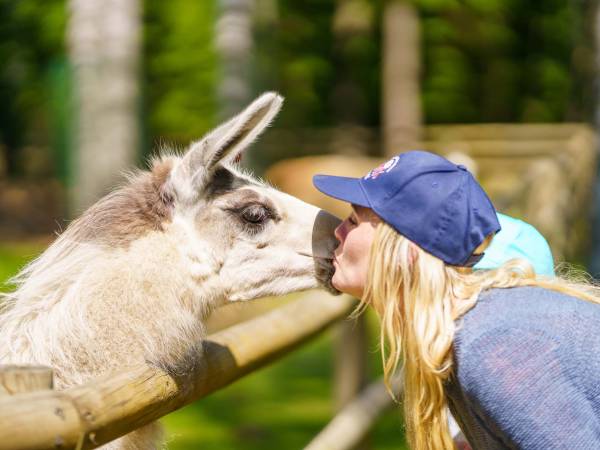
343,188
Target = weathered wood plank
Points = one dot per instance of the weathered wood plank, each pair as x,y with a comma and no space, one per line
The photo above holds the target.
503,131
18,379
350,364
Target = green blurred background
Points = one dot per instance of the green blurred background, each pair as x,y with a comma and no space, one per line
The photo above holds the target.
483,61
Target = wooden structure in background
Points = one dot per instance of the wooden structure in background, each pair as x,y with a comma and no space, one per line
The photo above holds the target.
234,42
540,173
349,426
19,379
104,43
350,375
402,117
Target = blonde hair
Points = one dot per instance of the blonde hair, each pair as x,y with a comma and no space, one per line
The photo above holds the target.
418,298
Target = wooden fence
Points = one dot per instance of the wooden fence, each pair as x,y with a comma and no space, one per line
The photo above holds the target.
95,413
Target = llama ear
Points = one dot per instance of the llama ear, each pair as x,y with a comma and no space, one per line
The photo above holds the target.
226,142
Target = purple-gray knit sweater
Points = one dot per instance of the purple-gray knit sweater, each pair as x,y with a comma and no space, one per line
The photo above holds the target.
527,371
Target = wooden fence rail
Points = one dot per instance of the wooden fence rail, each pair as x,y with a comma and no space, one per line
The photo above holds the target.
95,413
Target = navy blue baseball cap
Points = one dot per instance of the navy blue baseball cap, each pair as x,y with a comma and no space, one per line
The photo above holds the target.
435,203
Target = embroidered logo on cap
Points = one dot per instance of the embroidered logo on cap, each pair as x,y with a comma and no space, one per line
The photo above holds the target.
383,168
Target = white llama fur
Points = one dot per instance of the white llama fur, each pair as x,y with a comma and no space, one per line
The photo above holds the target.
135,277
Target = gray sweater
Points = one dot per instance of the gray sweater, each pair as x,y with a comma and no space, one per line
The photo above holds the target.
527,371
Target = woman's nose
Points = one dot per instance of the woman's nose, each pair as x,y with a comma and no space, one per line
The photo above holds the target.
340,231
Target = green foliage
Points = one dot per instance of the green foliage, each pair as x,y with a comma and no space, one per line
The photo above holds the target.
437,5
483,61
31,38
59,110
293,56
180,69
13,256
500,61
328,76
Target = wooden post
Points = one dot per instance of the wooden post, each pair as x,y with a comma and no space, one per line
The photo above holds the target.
352,19
234,44
19,379
401,93
357,418
352,22
594,263
104,44
350,373
547,203
233,41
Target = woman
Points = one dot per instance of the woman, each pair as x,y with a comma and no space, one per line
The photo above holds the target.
510,353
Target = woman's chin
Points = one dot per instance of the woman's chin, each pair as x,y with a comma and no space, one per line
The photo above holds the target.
337,285
344,287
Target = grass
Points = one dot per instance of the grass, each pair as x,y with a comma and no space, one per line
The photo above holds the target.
14,255
280,407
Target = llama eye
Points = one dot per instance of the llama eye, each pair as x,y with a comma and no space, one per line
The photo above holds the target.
255,214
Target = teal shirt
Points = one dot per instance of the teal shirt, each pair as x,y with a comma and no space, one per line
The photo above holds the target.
518,239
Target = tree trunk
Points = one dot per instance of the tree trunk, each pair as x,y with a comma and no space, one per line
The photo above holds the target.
104,49
401,93
234,44
350,376
352,25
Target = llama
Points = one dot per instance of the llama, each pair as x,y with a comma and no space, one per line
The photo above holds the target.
134,278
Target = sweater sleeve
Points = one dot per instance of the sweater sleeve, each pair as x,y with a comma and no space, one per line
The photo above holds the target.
520,389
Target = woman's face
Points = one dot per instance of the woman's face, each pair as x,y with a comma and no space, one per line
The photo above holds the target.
351,261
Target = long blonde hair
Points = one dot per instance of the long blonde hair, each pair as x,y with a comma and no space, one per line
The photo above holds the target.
418,298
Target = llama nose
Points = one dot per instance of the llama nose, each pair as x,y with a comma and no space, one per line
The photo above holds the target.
324,241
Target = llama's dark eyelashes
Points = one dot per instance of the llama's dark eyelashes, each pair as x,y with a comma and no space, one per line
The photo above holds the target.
253,216
256,214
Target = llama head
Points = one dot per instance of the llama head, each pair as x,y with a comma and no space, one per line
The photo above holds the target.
132,275
237,235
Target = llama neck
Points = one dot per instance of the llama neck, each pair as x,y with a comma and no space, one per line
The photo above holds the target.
119,308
